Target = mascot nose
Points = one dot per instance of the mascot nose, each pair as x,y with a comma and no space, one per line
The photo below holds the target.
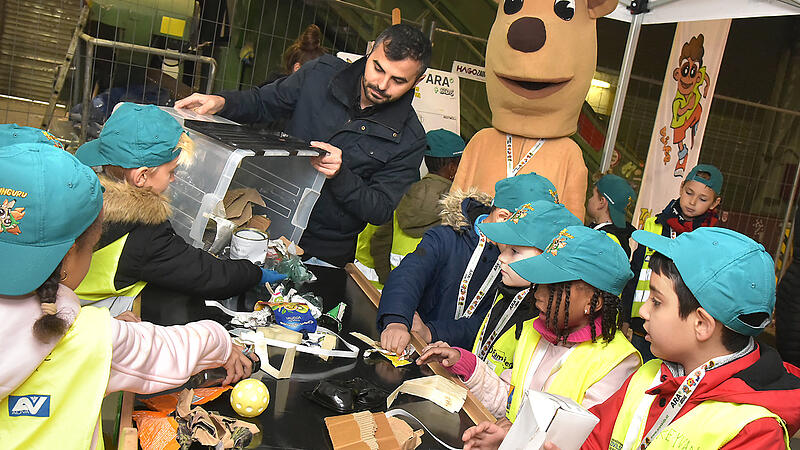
526,34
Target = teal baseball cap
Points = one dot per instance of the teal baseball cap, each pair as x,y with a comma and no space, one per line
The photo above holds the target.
619,194
531,225
714,181
511,193
11,133
729,274
134,136
579,253
47,199
444,144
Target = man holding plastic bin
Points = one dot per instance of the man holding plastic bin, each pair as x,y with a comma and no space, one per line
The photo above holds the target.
359,113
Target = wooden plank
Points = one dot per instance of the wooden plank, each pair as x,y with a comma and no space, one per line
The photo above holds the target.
472,406
128,436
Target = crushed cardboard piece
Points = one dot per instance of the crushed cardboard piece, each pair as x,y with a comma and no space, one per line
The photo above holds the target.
239,203
210,429
260,223
406,437
289,244
435,388
280,333
361,430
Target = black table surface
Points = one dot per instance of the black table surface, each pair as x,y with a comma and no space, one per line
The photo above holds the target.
292,421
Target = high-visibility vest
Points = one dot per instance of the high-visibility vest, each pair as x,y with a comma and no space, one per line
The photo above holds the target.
402,244
99,281
501,355
709,425
364,260
587,364
643,284
58,405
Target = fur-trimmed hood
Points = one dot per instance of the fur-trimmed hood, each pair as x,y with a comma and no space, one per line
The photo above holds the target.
454,207
125,203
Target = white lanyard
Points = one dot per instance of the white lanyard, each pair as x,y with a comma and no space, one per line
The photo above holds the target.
536,361
511,170
679,399
601,225
464,286
483,350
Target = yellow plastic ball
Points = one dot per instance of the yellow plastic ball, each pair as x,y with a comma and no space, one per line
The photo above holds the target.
249,397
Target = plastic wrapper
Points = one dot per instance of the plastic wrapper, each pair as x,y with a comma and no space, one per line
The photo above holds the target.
294,316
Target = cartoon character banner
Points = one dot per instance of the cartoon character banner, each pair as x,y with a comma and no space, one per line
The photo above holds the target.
682,112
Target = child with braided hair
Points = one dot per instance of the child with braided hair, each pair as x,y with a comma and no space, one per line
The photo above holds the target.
573,348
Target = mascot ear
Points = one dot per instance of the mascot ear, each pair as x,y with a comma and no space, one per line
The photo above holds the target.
599,8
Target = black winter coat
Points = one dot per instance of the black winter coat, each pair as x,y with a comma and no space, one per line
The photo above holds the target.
382,147
787,308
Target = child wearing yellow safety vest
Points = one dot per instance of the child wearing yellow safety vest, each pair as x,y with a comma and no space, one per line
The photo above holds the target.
59,360
695,208
532,228
573,348
711,291
139,150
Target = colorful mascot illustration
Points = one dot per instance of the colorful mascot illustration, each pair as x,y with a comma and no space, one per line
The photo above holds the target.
686,108
10,217
540,59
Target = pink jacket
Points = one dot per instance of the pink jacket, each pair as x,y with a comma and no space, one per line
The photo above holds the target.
145,358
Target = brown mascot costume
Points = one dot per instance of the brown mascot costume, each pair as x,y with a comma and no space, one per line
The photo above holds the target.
540,59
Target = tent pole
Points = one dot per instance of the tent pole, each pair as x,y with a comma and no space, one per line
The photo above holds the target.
622,88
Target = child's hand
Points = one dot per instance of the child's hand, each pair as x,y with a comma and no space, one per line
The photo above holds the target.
484,436
238,365
128,316
421,329
395,338
446,356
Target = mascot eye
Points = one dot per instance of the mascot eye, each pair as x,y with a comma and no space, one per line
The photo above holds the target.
564,9
685,69
512,6
693,72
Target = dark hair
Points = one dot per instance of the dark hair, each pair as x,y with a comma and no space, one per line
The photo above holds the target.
687,302
307,47
436,164
611,319
53,326
404,41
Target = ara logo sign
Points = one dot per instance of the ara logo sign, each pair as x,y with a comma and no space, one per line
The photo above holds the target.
29,405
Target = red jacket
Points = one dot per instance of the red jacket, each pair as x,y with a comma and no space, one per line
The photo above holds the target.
758,378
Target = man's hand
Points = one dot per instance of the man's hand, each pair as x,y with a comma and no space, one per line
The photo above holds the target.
128,316
202,103
421,329
485,435
330,164
446,356
395,338
238,365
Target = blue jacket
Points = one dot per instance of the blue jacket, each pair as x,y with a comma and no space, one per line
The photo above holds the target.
427,280
382,147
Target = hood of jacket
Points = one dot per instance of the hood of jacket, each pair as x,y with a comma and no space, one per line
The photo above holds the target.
128,204
458,207
20,360
757,378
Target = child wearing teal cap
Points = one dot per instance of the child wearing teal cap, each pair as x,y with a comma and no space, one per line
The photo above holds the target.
59,360
608,209
529,230
418,211
139,150
446,286
712,291
573,348
695,208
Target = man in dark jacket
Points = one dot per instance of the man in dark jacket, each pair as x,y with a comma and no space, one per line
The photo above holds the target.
361,114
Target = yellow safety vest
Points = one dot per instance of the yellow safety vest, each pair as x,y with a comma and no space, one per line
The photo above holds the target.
643,284
402,244
58,405
364,260
690,431
99,282
588,363
501,355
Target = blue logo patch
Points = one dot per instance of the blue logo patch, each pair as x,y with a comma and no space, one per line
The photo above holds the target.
29,405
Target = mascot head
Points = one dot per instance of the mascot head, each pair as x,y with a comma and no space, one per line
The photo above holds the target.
540,59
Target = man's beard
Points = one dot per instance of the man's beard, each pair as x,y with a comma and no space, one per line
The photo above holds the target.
370,89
